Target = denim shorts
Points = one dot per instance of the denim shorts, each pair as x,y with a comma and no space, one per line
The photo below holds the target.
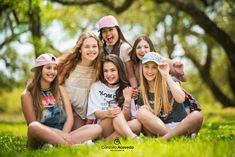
54,116
172,125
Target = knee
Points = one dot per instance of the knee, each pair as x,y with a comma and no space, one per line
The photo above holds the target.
197,117
33,127
135,126
98,128
137,123
141,114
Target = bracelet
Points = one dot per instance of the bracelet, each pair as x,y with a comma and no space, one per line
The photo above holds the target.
127,105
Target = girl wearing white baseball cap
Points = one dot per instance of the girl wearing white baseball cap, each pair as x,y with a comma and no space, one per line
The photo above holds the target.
161,100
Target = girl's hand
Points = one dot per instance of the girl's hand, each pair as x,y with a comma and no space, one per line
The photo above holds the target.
67,137
135,93
144,107
127,93
178,68
164,69
112,112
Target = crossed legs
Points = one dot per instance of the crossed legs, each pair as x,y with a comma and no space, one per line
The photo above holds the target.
190,124
154,126
39,134
113,127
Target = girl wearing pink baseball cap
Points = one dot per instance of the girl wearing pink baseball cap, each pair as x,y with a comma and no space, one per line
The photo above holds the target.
47,109
115,43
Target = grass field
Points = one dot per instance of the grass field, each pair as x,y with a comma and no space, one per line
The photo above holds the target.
216,139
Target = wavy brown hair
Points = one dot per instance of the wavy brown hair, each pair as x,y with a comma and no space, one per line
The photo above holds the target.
132,53
69,61
123,81
35,90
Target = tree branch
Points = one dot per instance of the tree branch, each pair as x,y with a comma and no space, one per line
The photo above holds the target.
10,39
109,4
204,71
208,25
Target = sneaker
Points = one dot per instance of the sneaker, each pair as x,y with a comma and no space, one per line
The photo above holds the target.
137,138
47,145
193,135
86,143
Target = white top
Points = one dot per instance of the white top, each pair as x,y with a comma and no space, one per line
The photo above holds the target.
77,86
125,48
99,97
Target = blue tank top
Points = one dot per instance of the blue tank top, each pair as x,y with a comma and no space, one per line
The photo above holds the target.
53,115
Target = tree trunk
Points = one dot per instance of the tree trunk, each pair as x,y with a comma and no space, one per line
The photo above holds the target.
209,26
35,26
218,94
204,72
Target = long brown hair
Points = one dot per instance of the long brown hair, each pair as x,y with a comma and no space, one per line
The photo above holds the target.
35,89
69,61
123,81
132,53
161,94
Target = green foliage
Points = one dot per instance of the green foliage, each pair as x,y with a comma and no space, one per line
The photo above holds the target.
166,26
10,101
6,82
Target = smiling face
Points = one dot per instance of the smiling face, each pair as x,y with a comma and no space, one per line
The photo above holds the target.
142,48
110,73
150,70
89,49
110,35
49,72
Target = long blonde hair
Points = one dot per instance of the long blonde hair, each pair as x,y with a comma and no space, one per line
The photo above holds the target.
161,94
35,89
69,61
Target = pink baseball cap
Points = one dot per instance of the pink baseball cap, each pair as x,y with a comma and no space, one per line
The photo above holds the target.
107,21
44,59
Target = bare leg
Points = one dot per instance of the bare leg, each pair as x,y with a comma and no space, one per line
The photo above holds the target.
191,124
146,132
151,122
135,126
121,126
78,122
112,137
86,132
38,132
107,125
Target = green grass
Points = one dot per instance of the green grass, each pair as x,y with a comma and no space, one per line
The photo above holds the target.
215,139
